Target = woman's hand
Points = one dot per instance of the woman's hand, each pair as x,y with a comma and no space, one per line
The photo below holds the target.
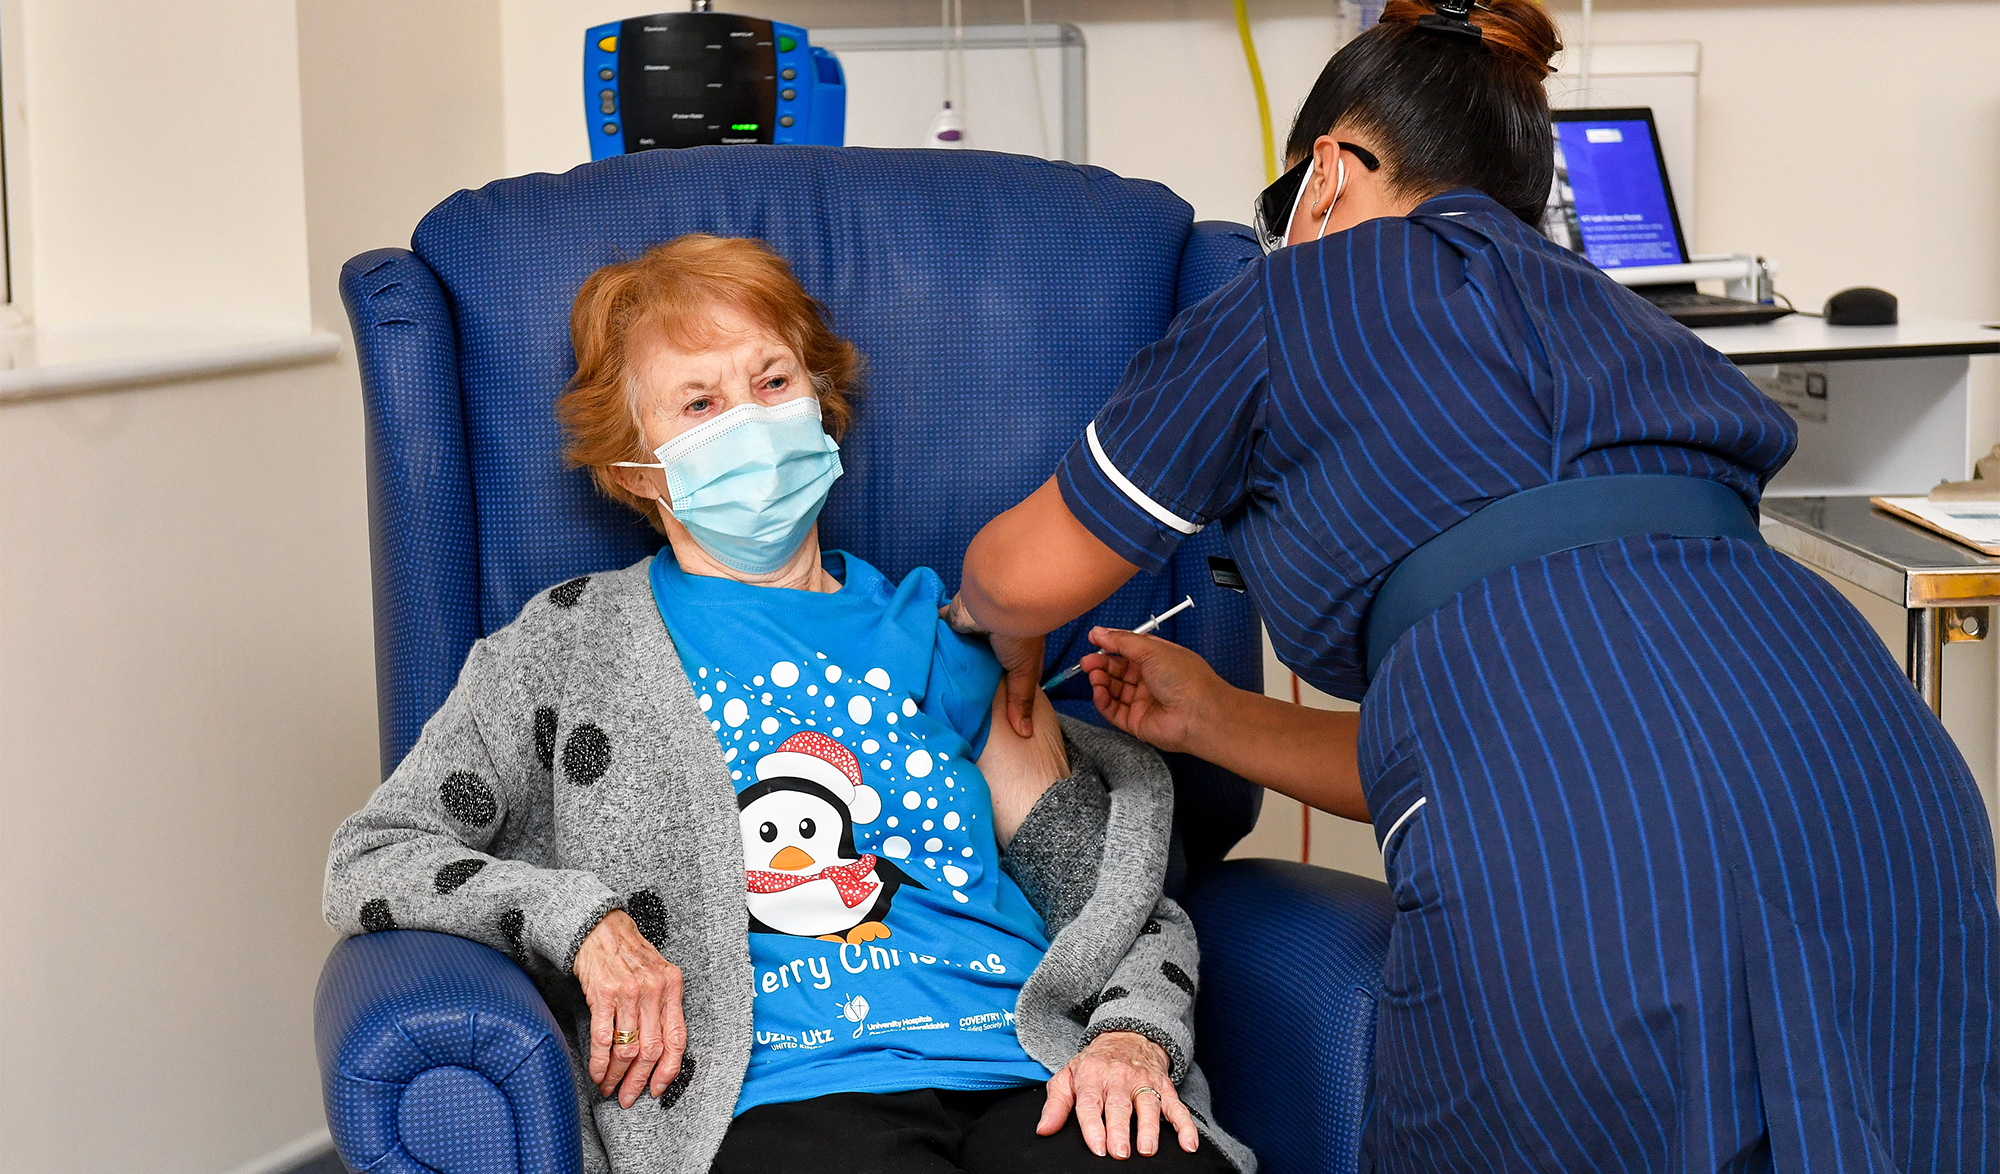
1154,690
1103,1084
630,988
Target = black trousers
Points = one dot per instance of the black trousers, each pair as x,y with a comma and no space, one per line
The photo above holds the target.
932,1131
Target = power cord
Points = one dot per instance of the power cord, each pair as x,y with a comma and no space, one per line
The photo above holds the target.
1257,83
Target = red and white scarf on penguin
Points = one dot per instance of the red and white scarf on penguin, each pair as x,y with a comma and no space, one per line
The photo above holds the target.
851,880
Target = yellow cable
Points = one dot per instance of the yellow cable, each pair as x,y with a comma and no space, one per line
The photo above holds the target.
1257,81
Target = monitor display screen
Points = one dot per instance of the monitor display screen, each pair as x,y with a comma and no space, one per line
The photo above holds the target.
1611,202
694,79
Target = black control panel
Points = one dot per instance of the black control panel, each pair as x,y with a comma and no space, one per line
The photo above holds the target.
692,79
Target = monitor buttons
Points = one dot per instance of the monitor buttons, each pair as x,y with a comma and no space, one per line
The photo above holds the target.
788,74
788,95
605,75
611,128
785,121
608,44
787,44
607,102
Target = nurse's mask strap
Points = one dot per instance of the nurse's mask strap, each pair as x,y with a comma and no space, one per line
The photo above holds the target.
1453,18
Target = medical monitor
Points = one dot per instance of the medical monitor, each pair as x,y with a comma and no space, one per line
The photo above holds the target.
1611,199
694,79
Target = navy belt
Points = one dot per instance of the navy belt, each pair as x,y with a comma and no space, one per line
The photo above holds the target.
1542,521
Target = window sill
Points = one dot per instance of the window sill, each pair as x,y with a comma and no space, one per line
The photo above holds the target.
40,362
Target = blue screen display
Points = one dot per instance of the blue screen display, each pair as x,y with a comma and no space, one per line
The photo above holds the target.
1621,197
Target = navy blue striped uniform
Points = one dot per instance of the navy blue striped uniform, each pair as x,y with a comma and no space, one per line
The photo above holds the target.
1687,876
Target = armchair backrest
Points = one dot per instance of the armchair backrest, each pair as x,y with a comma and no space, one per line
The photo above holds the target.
996,300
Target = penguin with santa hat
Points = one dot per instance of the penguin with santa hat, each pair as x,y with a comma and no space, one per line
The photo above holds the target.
801,869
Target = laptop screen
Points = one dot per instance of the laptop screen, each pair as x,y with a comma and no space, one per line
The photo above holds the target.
1611,201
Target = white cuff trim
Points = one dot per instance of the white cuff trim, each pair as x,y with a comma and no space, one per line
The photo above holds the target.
1161,514
1400,821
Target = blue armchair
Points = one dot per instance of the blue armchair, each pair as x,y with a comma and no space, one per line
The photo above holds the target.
997,300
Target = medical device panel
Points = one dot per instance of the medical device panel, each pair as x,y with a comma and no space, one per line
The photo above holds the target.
691,79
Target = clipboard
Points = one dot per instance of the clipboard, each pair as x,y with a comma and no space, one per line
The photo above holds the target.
1973,523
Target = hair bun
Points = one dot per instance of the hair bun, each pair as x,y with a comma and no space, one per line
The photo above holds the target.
1518,32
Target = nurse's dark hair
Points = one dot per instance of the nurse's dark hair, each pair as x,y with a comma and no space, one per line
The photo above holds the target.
1445,111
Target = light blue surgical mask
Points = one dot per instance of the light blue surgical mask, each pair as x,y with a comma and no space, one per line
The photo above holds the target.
749,484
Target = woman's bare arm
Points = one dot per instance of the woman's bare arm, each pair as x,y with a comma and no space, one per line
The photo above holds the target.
1019,770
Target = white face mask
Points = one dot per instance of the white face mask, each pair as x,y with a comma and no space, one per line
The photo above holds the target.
749,484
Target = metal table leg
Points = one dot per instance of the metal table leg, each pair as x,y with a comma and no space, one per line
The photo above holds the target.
1926,655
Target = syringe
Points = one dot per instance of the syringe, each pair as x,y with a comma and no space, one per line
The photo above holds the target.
1145,629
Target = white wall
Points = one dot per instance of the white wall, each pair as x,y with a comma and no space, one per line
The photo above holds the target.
187,686
164,162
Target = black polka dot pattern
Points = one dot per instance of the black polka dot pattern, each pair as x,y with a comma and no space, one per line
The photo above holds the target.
375,916
586,755
467,799
1177,976
649,913
566,594
513,927
1151,927
545,737
457,873
679,1084
1084,1010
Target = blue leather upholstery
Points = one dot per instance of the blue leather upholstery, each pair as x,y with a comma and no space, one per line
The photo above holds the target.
997,300
1291,959
437,1054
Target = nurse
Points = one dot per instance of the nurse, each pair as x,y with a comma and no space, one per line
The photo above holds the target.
1686,876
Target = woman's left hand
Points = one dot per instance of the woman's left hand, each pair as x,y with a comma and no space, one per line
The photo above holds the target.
1103,1084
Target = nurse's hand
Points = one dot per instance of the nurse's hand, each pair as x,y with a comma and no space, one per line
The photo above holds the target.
1154,690
1020,661
1103,1084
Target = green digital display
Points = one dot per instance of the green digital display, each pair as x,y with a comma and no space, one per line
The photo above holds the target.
742,126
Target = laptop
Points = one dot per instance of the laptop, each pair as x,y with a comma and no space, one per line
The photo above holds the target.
1611,202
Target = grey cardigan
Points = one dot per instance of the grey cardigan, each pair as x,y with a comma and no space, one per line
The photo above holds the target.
570,773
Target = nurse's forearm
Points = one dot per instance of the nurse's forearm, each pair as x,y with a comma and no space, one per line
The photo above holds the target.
1035,568
1308,754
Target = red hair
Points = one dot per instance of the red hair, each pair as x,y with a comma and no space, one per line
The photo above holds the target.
675,288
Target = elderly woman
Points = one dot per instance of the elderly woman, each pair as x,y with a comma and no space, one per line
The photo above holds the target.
744,813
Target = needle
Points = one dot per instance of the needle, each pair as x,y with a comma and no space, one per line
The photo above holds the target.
1145,629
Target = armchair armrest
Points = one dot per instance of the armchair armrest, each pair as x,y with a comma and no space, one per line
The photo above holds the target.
437,1054
1291,962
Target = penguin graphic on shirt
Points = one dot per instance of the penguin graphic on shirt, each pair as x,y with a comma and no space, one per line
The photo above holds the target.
801,870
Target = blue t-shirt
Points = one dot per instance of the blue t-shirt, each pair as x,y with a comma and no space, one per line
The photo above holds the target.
888,947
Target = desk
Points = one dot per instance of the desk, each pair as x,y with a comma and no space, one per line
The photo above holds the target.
1946,589
1895,419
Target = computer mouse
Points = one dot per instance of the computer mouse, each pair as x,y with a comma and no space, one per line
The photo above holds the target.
1863,305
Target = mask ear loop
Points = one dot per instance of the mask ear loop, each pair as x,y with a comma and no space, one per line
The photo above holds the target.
665,508
1339,186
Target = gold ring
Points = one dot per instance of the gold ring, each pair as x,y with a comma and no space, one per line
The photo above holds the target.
632,1037
1148,1088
